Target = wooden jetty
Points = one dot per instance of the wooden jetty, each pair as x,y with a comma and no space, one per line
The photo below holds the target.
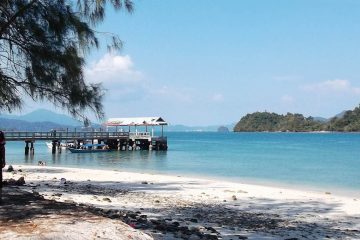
120,139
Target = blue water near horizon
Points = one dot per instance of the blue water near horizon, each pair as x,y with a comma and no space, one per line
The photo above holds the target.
327,161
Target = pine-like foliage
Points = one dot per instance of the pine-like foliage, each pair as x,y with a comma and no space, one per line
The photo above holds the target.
42,49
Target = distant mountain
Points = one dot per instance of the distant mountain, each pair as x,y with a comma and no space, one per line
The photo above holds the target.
43,115
320,119
340,115
20,125
223,129
184,128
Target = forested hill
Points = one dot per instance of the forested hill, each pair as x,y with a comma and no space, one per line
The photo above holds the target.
348,122
265,121
272,122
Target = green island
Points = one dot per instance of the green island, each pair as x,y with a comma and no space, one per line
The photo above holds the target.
349,121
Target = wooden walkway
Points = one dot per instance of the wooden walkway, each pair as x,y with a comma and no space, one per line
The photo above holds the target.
114,140
50,136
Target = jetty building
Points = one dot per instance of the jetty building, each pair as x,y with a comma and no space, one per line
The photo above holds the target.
141,132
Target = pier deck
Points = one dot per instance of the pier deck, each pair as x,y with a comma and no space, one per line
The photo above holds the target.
115,140
50,136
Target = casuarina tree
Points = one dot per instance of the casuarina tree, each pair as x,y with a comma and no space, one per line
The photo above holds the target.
43,44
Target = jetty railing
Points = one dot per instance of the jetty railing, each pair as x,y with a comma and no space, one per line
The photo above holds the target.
32,136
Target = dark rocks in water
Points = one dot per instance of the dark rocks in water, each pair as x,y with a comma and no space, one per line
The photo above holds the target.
106,199
10,168
223,129
144,182
234,198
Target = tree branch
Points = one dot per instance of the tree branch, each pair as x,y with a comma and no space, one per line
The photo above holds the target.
13,18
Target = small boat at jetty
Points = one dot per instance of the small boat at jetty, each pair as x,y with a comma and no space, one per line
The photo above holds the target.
91,148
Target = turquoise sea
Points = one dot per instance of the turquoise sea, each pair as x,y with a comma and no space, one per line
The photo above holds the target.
326,161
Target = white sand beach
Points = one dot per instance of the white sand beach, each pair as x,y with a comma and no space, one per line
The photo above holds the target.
176,207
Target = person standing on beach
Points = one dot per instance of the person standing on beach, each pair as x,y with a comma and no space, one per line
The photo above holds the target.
2,154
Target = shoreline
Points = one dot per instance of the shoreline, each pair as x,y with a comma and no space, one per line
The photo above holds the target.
198,206
306,187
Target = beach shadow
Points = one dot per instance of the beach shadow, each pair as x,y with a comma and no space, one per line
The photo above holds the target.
108,188
44,170
17,205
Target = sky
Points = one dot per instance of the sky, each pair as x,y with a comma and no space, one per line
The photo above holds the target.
208,62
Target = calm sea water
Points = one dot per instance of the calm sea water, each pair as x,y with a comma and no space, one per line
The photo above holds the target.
314,160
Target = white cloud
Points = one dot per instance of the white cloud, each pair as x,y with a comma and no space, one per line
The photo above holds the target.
112,70
217,97
333,86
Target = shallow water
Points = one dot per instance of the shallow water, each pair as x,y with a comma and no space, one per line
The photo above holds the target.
315,160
